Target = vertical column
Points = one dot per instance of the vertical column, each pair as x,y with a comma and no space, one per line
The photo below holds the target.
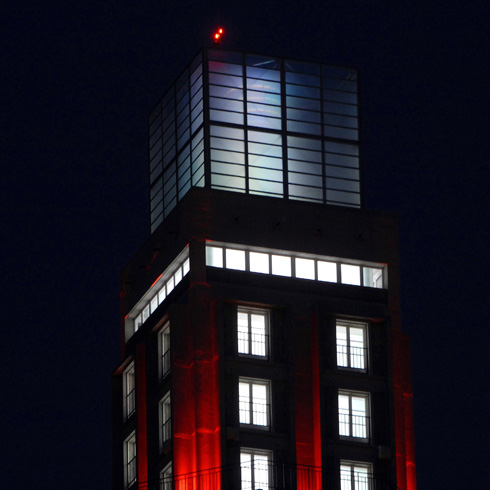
195,381
307,402
141,428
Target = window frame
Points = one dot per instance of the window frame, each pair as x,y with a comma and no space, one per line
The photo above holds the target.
353,467
253,470
249,335
164,346
350,349
352,418
165,419
129,395
166,477
130,466
253,404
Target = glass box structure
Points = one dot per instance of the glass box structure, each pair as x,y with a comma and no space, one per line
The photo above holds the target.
256,125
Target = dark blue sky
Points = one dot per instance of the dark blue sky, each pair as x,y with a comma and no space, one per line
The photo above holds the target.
77,82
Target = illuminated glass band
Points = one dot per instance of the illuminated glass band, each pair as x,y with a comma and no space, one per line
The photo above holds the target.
256,125
157,293
300,266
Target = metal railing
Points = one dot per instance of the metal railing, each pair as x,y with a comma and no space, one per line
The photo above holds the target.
281,477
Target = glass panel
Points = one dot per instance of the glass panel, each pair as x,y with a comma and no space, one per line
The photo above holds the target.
263,86
258,331
243,333
264,122
350,274
244,403
281,265
235,259
263,73
263,97
264,187
226,117
327,271
217,66
226,144
259,262
236,184
226,80
225,92
214,256
305,193
228,156
341,335
305,268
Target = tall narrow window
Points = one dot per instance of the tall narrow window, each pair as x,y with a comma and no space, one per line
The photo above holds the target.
129,392
253,332
351,345
166,478
255,469
164,350
355,476
254,402
130,460
353,415
165,420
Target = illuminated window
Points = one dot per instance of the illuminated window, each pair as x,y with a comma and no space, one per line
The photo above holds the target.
327,271
165,419
254,402
281,265
351,345
164,350
353,415
235,259
253,332
166,478
259,262
129,391
355,476
351,274
130,460
255,469
305,268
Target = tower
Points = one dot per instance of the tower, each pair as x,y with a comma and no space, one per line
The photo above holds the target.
260,322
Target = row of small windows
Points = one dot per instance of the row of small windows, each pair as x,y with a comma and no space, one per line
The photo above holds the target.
157,294
325,269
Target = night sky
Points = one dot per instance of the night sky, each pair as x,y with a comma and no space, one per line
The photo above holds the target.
78,80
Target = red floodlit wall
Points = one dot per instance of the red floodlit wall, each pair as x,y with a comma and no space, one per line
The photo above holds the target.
307,402
195,388
141,437
404,430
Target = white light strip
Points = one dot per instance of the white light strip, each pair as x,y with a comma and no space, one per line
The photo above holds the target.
300,266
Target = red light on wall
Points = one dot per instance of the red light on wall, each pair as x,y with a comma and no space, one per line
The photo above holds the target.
218,34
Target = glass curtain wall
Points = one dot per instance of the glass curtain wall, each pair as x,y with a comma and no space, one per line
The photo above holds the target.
269,127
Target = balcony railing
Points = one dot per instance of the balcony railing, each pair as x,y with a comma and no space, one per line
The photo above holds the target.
281,477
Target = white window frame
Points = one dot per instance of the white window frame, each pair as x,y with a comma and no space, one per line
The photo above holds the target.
255,469
254,410
354,423
350,353
129,391
355,475
251,341
166,477
164,350
165,419
130,466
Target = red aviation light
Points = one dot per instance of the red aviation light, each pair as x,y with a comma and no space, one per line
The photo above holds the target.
218,34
